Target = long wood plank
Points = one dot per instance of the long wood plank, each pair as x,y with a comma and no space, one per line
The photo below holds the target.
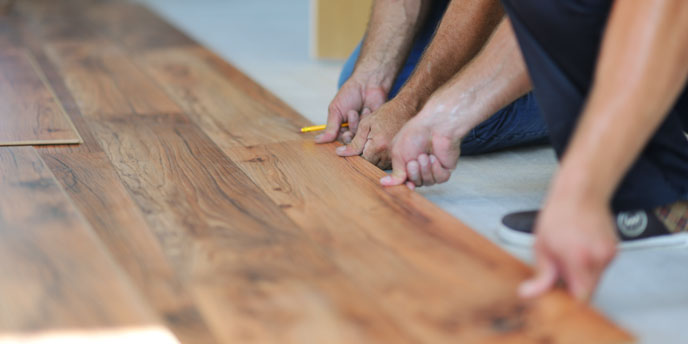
134,26
256,278
91,182
57,277
106,83
439,279
214,102
31,115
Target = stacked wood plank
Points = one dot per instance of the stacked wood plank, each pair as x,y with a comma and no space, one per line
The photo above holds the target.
195,211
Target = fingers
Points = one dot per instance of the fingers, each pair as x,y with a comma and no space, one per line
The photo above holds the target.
347,136
583,269
581,279
352,118
545,277
334,121
398,175
413,171
426,170
357,144
440,173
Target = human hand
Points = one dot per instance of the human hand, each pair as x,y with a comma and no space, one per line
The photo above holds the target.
375,133
425,151
355,99
575,241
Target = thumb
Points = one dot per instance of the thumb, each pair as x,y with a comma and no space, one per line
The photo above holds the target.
545,277
398,175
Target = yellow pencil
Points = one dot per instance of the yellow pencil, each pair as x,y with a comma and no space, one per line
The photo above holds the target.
318,127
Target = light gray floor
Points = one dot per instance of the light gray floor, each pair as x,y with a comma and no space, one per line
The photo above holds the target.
644,291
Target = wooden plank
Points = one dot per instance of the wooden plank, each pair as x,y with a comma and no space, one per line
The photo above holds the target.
216,104
56,275
437,278
337,26
256,278
135,26
90,181
105,82
31,114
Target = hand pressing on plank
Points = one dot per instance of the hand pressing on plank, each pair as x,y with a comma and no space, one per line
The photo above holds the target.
575,240
425,151
373,139
356,99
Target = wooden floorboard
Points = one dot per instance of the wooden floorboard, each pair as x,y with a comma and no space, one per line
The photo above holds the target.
56,275
438,278
91,182
31,115
105,82
216,104
255,276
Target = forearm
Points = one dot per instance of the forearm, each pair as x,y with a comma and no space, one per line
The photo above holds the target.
465,27
392,27
494,79
640,73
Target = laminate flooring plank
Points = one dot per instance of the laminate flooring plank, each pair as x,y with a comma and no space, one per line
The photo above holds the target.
135,26
219,105
31,114
106,83
439,279
91,182
56,275
254,275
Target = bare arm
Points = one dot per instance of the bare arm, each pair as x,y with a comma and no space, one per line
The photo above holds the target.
640,72
495,78
392,27
464,29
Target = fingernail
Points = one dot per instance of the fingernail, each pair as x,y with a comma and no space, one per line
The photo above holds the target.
385,179
341,149
433,159
317,137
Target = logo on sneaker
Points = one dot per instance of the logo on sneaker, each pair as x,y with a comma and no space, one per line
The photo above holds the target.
632,223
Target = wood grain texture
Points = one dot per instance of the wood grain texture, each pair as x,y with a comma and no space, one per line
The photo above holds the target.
256,278
56,275
31,115
90,181
105,82
134,26
440,280
221,107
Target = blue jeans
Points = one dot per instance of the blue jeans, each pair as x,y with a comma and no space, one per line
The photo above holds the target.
518,124
560,42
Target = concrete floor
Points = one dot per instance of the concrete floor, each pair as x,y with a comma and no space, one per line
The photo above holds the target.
644,291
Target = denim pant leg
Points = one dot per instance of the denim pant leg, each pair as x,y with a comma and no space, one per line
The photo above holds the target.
560,42
421,41
518,124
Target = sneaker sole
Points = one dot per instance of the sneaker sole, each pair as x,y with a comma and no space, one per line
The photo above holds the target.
515,238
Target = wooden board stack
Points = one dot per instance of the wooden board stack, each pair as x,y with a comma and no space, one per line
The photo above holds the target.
195,212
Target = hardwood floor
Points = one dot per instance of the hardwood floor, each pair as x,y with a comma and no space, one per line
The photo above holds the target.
30,112
194,206
55,273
